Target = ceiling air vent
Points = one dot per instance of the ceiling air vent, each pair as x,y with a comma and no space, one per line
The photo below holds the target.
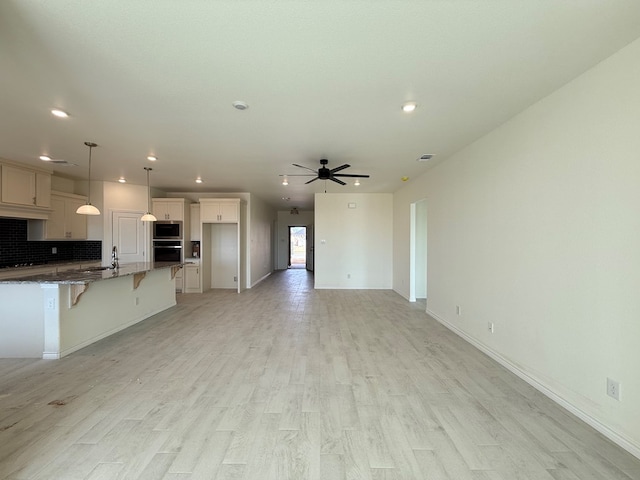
63,163
426,157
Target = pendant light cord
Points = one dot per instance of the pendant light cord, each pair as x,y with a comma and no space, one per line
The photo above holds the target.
148,191
90,145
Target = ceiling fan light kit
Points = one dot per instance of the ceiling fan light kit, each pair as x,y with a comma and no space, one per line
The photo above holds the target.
325,173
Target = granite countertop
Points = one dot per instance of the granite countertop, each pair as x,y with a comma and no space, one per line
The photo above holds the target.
84,276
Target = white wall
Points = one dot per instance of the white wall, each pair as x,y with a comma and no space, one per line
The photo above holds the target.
353,242
119,196
536,227
285,220
21,325
261,218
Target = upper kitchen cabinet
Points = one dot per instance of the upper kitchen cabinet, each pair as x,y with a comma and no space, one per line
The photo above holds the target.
63,223
169,209
25,187
219,210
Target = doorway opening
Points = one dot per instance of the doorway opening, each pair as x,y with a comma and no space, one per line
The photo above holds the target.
297,247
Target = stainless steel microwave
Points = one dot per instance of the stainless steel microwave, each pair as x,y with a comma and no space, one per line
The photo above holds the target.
167,230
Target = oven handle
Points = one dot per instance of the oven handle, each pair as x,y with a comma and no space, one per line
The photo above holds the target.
167,246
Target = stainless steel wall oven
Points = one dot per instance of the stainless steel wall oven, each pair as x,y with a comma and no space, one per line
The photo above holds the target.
167,250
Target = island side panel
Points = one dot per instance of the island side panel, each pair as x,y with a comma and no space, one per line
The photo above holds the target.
21,321
109,306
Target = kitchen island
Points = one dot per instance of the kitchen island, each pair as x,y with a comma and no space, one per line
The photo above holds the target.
52,315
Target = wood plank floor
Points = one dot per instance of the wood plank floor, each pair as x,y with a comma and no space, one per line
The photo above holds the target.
285,382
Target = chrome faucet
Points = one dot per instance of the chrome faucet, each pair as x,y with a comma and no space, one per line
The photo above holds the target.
114,258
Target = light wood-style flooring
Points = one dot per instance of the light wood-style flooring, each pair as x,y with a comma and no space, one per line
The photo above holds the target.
285,382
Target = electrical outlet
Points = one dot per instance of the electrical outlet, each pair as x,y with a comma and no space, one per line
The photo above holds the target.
613,389
490,326
348,275
54,250
458,310
51,303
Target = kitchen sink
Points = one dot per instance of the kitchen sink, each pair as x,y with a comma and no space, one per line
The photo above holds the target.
97,269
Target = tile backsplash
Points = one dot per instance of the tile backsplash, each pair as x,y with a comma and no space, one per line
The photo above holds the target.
16,249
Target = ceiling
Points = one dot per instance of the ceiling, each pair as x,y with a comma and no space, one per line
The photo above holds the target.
323,79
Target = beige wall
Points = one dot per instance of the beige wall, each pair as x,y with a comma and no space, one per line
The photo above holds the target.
261,222
536,228
353,245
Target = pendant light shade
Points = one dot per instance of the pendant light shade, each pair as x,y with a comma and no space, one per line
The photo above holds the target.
88,209
148,217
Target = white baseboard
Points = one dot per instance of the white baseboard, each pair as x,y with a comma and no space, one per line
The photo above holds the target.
260,280
629,445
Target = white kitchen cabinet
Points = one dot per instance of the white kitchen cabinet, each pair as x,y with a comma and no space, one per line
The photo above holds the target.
22,186
195,222
192,279
219,210
64,223
169,208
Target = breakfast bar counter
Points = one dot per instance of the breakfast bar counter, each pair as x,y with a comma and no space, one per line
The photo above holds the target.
51,315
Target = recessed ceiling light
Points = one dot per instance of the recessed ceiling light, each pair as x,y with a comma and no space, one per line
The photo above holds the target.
240,105
357,183
198,180
285,181
122,180
45,158
409,107
59,113
152,158
425,158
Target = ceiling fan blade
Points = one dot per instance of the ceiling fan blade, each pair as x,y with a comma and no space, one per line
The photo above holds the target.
312,180
351,175
297,174
302,166
341,167
337,181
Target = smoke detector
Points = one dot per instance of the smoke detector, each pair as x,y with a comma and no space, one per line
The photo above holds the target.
239,105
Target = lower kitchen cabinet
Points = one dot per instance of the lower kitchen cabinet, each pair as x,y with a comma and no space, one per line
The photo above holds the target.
192,279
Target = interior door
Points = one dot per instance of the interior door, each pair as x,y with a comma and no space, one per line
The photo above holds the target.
129,235
310,248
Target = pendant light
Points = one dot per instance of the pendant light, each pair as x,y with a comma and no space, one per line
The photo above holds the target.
148,217
88,209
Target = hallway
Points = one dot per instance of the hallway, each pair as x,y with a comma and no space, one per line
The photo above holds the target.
286,382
